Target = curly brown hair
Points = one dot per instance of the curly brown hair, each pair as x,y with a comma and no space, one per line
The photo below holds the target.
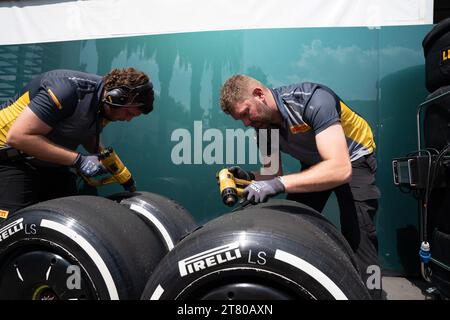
130,78
235,89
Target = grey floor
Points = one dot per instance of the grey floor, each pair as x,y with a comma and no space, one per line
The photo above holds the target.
401,288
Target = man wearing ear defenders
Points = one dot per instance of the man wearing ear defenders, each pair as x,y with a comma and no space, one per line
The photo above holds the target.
43,125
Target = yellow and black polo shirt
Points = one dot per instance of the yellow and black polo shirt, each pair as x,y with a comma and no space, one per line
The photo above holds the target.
309,108
66,100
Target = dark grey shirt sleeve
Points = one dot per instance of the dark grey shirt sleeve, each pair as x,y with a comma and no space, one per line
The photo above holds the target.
56,100
321,111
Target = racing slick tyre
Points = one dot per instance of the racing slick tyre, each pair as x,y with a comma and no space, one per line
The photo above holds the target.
312,216
258,253
166,216
80,247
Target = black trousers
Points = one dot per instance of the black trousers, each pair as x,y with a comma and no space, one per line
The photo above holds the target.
358,204
22,184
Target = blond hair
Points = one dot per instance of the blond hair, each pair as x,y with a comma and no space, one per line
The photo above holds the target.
235,89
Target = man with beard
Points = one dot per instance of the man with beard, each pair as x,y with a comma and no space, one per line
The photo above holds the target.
335,147
42,126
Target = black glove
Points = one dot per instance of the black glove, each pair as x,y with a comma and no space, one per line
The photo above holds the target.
240,173
89,166
260,191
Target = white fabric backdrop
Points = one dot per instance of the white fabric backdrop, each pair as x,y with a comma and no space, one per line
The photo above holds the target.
34,21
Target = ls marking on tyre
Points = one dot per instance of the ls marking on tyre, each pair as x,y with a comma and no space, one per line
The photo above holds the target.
11,229
89,249
318,275
161,229
157,293
209,258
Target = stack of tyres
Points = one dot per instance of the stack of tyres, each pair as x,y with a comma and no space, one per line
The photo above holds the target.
436,47
171,220
436,125
280,250
86,247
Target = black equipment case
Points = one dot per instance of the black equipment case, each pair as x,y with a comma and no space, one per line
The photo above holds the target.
436,47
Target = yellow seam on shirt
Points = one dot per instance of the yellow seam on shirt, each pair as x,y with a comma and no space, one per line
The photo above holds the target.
55,99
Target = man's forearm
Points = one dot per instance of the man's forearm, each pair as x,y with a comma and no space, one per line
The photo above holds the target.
43,149
322,176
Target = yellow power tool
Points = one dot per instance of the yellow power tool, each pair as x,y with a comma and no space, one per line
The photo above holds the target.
231,188
117,170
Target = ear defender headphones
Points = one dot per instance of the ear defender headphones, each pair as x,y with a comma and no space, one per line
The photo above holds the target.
121,96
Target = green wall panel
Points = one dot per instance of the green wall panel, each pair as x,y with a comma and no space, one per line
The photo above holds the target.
378,72
401,90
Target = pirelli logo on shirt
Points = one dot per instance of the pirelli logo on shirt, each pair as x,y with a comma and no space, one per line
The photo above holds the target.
54,99
300,128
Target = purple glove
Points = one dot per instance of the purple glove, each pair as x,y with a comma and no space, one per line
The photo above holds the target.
89,166
260,191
